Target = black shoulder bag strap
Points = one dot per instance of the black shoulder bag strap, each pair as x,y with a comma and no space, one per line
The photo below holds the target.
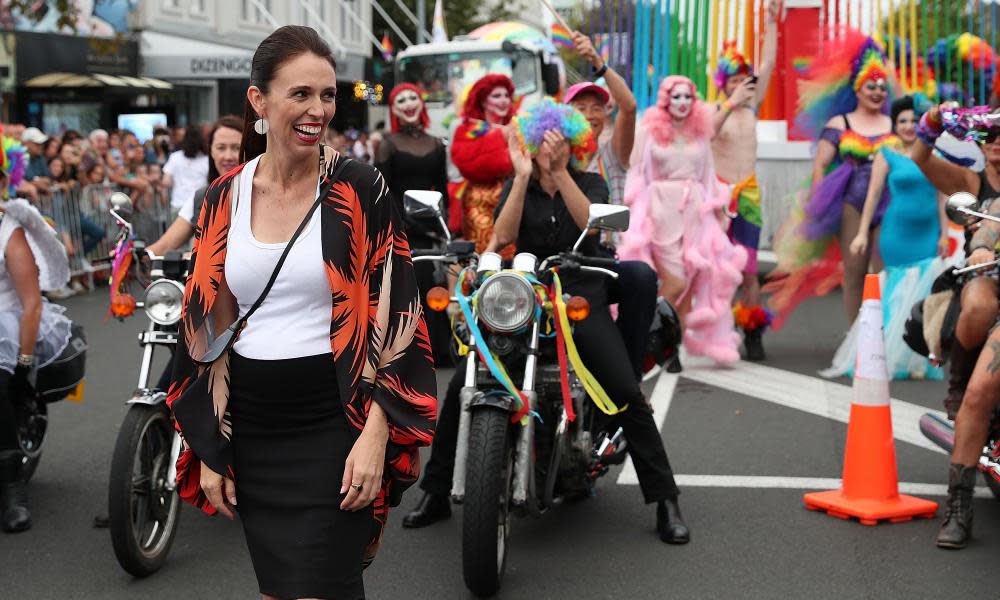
225,341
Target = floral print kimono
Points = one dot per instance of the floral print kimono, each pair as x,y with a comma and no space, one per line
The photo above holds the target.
377,332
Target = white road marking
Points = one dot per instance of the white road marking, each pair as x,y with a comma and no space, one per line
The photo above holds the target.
812,395
806,483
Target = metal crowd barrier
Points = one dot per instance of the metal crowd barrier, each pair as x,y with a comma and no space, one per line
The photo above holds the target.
89,231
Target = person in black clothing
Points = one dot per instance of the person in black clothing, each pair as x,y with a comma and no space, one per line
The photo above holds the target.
411,159
543,209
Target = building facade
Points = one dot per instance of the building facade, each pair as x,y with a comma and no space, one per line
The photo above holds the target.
204,48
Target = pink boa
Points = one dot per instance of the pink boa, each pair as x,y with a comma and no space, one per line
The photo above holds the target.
698,124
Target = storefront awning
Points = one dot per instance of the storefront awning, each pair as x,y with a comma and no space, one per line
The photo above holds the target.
168,56
76,80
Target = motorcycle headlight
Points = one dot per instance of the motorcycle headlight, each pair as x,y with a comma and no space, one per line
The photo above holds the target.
163,302
506,302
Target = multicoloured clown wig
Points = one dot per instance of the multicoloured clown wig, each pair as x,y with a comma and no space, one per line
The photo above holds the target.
548,115
960,52
425,120
13,162
731,63
830,86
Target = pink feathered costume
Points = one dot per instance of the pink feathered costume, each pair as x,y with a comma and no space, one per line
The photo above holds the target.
676,200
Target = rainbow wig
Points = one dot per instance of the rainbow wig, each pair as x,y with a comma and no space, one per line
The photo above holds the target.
830,85
962,51
547,115
731,63
13,162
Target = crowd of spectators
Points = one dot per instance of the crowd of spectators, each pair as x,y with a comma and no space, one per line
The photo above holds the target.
157,174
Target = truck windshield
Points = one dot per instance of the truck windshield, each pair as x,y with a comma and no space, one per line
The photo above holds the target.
443,77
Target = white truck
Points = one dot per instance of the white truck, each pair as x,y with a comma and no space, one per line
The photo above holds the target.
445,72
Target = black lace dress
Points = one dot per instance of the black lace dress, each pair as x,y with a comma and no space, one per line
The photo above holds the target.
411,159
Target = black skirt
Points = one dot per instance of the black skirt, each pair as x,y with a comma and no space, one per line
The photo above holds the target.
290,441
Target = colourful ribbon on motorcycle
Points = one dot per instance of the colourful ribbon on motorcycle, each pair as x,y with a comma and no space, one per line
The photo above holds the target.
489,359
121,260
594,389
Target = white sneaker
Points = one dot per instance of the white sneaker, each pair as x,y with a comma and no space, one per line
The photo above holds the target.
65,292
78,287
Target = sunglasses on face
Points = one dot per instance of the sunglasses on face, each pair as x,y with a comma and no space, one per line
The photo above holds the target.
991,135
872,86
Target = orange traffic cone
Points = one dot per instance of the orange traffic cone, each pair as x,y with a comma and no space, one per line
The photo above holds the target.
870,490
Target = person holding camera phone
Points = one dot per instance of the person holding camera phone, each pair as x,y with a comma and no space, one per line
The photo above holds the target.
734,149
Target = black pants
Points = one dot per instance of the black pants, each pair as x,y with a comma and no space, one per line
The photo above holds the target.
8,426
635,293
602,350
438,325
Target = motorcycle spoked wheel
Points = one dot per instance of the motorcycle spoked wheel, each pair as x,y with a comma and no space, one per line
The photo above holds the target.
993,484
32,423
143,513
488,494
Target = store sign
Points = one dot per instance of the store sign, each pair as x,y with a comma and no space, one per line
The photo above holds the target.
42,53
221,66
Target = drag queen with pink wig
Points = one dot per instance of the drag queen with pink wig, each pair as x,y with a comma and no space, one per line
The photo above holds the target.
677,219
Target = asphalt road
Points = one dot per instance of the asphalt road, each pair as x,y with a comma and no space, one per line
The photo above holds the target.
748,542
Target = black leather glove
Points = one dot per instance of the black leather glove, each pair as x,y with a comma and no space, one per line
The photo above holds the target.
20,382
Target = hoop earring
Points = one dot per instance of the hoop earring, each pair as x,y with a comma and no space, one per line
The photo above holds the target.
261,126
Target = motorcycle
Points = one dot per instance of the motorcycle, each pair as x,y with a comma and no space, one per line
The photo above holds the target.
522,450
61,379
940,431
143,504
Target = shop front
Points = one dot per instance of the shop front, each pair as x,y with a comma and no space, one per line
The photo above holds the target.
68,82
211,79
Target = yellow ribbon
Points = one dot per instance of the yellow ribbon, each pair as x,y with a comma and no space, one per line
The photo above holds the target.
590,383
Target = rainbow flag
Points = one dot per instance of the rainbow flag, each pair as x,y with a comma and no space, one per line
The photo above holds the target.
561,36
387,49
439,33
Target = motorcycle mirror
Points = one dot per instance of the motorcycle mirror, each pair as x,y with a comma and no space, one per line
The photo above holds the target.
960,208
122,204
608,217
415,200
425,203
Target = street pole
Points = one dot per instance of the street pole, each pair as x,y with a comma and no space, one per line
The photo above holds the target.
422,20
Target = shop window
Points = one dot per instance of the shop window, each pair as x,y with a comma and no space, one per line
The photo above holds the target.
173,6
198,7
349,30
250,12
316,17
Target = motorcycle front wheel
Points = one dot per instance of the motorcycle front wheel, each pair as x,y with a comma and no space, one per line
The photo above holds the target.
486,510
143,512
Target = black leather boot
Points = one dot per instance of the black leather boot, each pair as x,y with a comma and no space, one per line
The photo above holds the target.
962,363
431,509
956,529
14,513
753,343
669,523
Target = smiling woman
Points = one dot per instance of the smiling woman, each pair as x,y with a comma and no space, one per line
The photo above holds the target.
310,417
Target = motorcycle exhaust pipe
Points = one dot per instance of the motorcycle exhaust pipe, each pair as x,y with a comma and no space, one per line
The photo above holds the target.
938,430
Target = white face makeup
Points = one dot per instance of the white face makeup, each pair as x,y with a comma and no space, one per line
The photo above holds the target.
681,101
407,107
497,104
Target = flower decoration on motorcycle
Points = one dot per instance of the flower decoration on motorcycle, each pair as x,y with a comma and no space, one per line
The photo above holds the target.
969,124
548,115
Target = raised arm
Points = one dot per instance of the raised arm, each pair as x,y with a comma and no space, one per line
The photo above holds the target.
624,133
947,177
769,51
508,220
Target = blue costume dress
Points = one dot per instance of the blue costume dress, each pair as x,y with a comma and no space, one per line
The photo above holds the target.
907,242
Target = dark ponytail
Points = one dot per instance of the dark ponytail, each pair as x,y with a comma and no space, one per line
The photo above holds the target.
284,44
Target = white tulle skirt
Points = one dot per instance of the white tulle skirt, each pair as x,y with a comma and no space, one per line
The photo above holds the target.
53,336
902,287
